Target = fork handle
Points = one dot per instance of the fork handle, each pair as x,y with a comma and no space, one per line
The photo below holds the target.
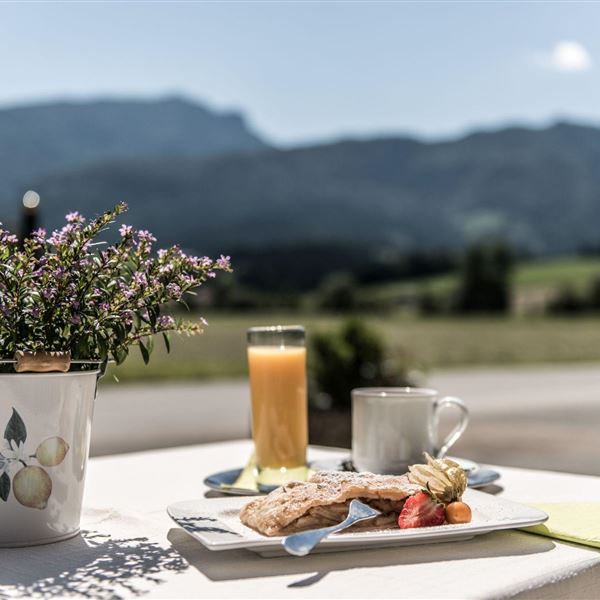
300,544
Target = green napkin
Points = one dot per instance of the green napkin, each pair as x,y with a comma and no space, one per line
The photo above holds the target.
577,522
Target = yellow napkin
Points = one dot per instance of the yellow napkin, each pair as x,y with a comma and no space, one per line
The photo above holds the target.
577,522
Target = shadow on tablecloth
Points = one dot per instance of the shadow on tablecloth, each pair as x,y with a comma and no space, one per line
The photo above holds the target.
91,565
243,564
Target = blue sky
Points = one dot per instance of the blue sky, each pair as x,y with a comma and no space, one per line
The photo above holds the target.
311,71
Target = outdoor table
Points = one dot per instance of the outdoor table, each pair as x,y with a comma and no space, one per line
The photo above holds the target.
129,546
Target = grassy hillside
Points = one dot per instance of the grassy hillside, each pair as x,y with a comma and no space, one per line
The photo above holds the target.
575,272
536,277
427,344
443,342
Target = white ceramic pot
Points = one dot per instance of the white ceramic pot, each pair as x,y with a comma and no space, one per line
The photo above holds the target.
45,426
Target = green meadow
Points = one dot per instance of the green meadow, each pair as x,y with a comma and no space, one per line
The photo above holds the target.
425,344
530,279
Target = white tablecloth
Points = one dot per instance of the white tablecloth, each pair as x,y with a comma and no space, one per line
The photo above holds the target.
130,547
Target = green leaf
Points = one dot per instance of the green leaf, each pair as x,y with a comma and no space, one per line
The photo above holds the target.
120,333
167,342
145,353
4,486
153,316
15,429
102,346
120,354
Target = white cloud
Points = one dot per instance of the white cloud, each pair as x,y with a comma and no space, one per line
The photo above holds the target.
566,56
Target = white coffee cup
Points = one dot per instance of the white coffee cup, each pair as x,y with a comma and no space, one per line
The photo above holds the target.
393,427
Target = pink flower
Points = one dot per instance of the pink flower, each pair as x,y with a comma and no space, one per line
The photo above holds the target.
67,279
7,237
173,290
74,217
145,236
39,235
224,262
139,278
165,322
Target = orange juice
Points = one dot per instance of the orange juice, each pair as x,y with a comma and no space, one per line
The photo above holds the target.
279,405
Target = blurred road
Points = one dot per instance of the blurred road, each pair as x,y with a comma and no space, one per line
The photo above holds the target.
139,417
544,417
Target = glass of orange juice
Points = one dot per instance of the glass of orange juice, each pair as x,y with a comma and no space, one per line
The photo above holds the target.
277,365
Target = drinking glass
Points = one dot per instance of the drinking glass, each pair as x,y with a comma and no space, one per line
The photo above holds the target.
277,365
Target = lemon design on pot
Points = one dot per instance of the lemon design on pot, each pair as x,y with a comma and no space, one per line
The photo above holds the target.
52,452
30,483
32,487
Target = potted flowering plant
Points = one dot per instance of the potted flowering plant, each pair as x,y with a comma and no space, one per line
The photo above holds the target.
68,305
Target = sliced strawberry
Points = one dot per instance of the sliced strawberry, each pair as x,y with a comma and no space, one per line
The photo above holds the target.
421,510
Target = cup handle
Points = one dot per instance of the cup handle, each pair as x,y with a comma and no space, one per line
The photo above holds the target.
458,430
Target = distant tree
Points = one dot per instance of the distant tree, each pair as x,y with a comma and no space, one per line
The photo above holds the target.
338,293
353,356
232,294
486,279
428,303
594,294
567,302
395,264
223,293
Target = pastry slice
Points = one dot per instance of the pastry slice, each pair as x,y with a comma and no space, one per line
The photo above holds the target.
324,499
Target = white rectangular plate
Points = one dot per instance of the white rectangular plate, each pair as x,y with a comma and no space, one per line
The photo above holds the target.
215,524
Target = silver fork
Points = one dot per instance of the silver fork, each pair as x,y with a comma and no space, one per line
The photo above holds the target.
300,544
